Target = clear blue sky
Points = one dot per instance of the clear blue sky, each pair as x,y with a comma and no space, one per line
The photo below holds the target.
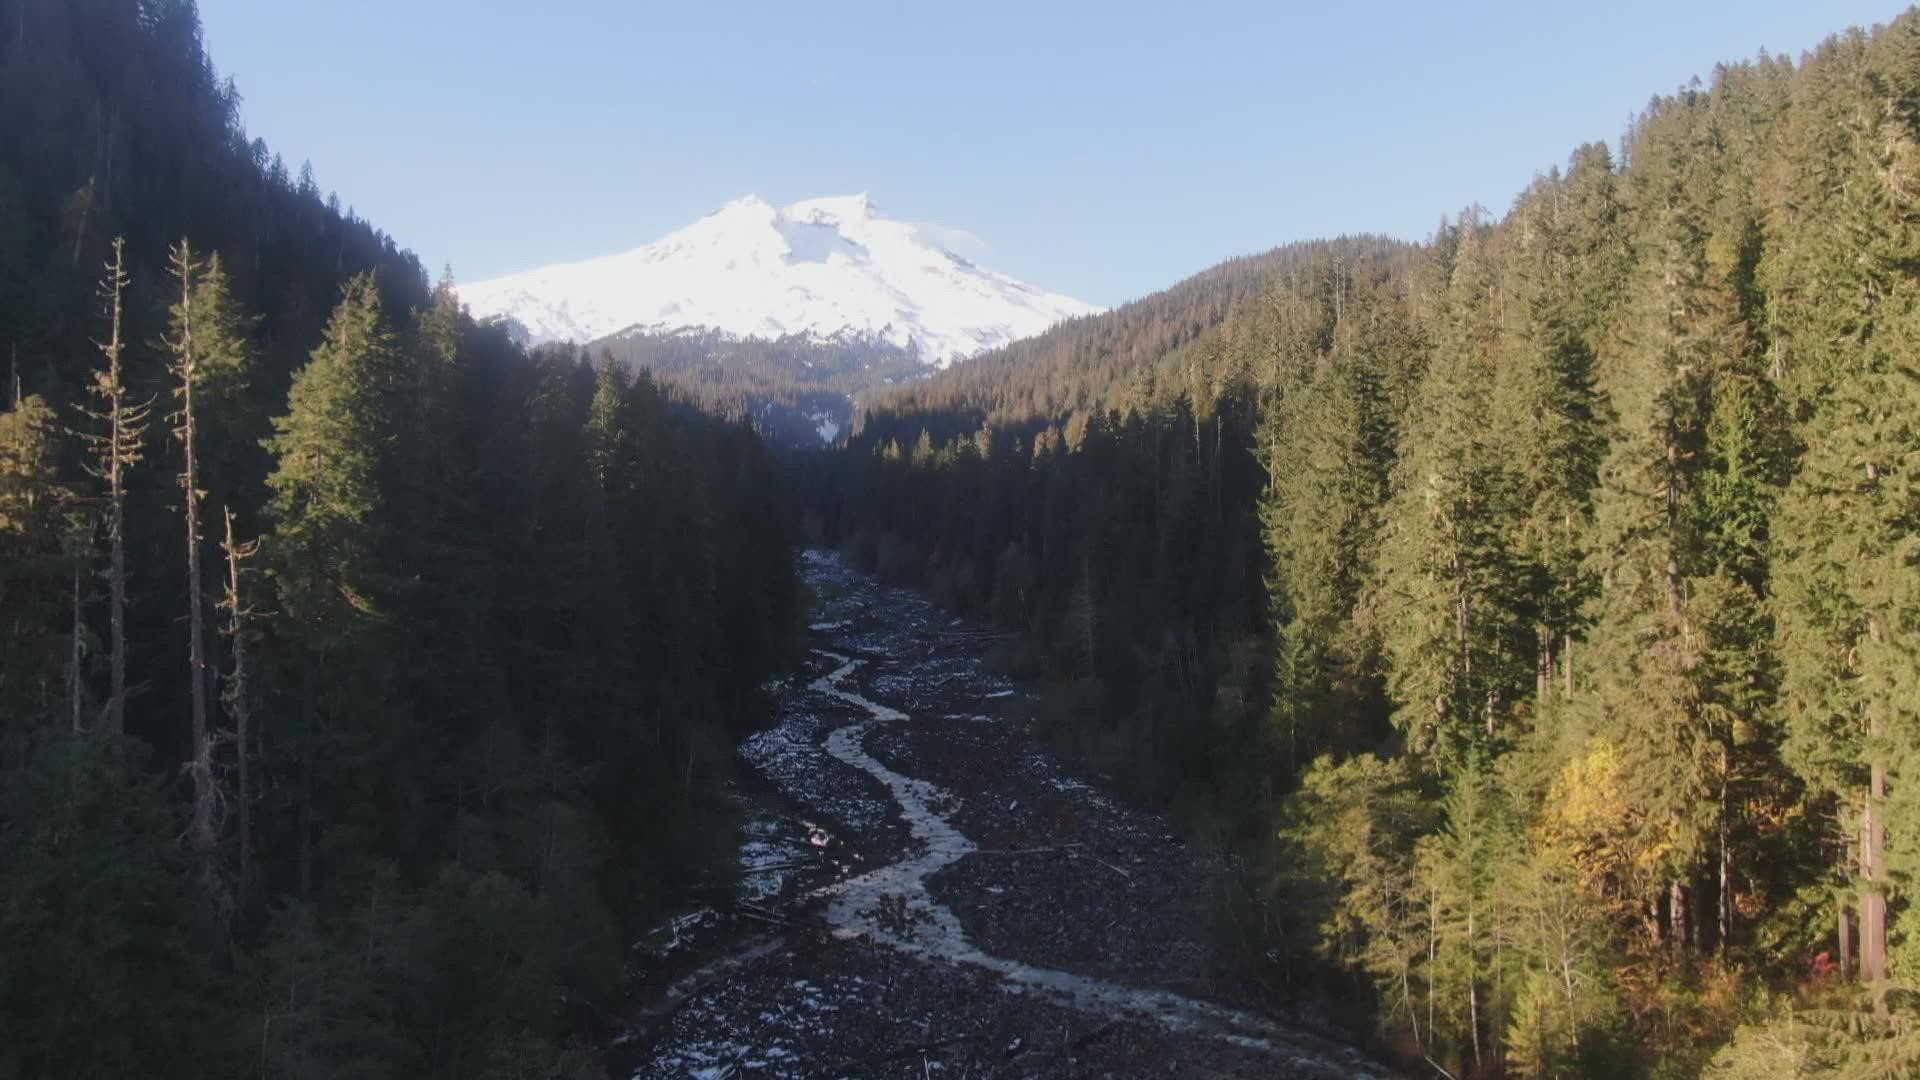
1101,149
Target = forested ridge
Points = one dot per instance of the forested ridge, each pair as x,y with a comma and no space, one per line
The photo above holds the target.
786,387
1523,623
366,684
1523,626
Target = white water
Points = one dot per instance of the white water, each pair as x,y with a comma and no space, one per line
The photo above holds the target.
932,932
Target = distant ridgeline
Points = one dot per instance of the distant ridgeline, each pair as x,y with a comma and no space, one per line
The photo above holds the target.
800,392
1134,354
373,756
1525,622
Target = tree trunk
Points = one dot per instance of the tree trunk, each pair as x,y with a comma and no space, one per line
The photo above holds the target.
1873,902
117,605
73,672
86,212
1543,665
1413,1014
306,778
1671,484
201,831
114,447
1677,916
237,705
1696,925
1725,905
1873,840
1566,983
120,435
1433,944
1846,942
1473,985
1461,627
1473,1016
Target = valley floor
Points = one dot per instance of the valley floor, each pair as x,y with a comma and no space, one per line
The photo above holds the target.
943,898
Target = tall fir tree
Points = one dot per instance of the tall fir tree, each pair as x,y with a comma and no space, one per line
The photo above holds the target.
1848,588
1444,592
207,343
324,554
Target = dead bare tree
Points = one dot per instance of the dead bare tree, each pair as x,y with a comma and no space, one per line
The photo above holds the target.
117,441
185,368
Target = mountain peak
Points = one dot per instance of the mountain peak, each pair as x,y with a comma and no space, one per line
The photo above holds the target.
825,268
857,207
749,203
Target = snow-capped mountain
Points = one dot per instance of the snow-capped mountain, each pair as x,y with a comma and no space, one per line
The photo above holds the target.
825,269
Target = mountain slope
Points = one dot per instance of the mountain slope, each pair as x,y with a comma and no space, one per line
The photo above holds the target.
1099,363
824,269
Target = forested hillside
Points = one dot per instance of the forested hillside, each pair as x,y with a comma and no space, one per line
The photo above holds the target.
798,392
366,684
1087,365
1528,620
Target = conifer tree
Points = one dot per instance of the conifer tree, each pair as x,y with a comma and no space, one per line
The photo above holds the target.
329,452
235,694
439,725
608,427
1549,431
117,441
206,340
34,562
1444,591
1669,653
1850,606
1595,242
1848,595
1332,444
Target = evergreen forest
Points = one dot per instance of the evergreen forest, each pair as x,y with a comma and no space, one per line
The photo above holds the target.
365,682
1526,622
1521,627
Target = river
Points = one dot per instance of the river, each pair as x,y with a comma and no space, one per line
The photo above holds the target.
939,896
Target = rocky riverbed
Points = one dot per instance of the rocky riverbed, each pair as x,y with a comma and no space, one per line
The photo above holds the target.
940,897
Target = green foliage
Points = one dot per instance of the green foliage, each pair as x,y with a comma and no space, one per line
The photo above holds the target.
1526,618
1842,1040
491,688
1585,548
1332,443
37,534
102,977
328,455
1457,639
1352,834
222,348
